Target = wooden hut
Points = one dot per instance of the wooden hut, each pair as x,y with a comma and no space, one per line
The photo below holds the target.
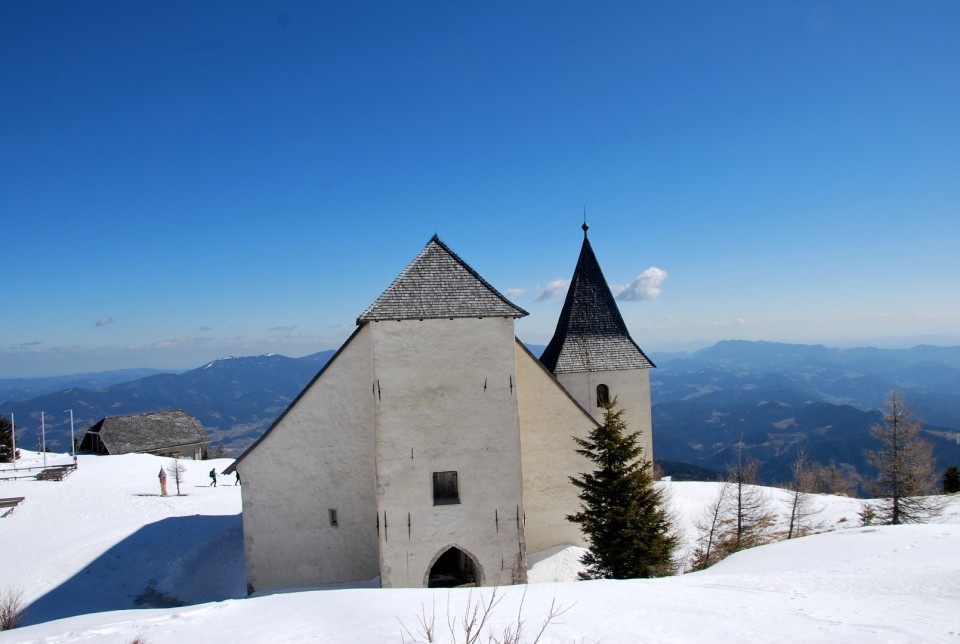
167,433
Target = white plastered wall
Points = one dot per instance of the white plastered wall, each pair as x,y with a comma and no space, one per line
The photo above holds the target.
631,388
447,402
320,456
549,419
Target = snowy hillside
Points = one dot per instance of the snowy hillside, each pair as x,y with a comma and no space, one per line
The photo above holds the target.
105,540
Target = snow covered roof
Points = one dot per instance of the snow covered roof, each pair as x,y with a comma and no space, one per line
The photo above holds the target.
146,432
591,334
438,284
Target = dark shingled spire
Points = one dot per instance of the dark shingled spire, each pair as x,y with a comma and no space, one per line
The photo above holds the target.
591,334
438,284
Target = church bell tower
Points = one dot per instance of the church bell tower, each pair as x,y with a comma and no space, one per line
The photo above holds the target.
593,355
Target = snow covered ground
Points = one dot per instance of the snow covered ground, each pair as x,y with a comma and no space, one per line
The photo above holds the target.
92,553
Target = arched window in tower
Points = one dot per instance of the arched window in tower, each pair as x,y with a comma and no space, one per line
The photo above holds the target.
603,395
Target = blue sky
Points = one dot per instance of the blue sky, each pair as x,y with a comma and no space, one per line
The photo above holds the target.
181,181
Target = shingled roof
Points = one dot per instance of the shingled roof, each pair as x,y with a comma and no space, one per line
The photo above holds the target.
438,284
591,334
147,432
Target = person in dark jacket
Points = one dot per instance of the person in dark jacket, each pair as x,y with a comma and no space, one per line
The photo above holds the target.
213,477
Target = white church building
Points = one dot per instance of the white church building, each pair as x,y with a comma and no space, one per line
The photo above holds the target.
434,449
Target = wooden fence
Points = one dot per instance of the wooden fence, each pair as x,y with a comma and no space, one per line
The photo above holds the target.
39,472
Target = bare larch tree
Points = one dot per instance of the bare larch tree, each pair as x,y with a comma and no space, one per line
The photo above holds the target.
905,467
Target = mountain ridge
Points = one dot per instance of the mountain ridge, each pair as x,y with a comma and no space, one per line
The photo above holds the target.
784,396
235,399
787,395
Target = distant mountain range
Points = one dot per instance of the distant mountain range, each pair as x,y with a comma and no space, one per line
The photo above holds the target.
24,388
787,395
783,396
236,399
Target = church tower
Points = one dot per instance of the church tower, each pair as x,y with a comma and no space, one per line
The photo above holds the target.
593,355
446,427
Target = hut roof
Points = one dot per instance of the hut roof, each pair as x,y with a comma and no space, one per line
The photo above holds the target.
149,432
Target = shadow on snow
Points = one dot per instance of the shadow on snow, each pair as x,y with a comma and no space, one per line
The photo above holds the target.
172,562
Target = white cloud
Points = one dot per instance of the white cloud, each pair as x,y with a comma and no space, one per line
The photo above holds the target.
645,287
178,341
104,320
555,287
514,293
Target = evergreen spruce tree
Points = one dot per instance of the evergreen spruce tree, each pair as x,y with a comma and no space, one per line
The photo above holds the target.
951,480
6,441
622,511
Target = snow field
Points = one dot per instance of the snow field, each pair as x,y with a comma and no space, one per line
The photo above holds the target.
86,550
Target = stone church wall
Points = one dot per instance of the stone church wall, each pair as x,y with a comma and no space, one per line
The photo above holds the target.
549,419
631,388
447,402
317,459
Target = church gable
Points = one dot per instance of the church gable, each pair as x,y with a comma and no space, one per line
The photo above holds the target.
309,490
331,365
438,284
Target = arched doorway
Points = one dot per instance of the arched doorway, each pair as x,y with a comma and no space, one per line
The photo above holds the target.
454,567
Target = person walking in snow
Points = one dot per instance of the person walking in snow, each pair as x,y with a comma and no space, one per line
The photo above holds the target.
213,477
237,474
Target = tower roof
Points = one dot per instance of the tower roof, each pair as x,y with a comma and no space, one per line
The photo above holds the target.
438,284
591,334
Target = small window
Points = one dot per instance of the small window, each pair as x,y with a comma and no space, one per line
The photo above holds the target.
445,488
603,395
333,517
